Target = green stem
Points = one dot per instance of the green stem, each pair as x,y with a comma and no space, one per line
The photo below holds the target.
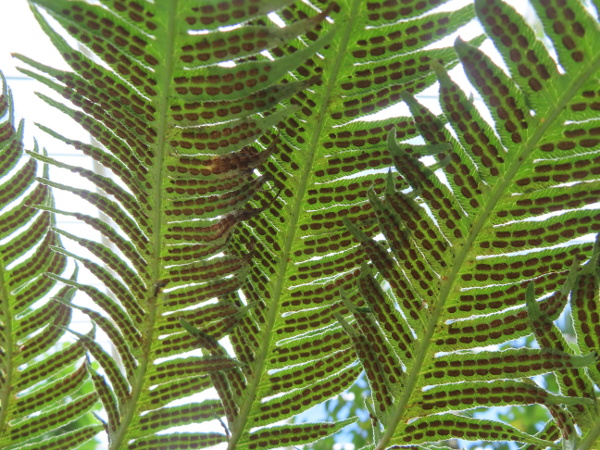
590,438
8,346
239,425
154,266
480,221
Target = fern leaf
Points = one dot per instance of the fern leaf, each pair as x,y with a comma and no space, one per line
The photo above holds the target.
182,99
486,246
177,129
35,383
323,164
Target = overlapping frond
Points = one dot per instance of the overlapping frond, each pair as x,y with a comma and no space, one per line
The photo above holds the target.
40,386
488,242
173,126
324,160
583,290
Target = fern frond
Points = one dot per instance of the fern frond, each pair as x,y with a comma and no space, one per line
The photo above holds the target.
41,388
325,157
175,95
584,295
487,245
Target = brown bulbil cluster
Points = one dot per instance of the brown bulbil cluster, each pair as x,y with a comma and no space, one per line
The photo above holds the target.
312,372
187,414
189,367
455,166
390,10
431,429
374,370
210,271
490,395
116,338
225,86
497,298
343,263
49,421
568,28
500,328
414,36
523,362
224,13
120,385
290,434
197,112
390,269
177,441
484,149
588,102
306,297
330,342
521,46
131,278
498,92
298,323
45,258
563,172
368,136
421,180
38,344
415,219
39,398
388,318
302,398
415,266
167,392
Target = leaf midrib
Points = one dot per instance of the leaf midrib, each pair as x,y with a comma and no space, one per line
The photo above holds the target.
154,268
480,221
8,353
292,228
